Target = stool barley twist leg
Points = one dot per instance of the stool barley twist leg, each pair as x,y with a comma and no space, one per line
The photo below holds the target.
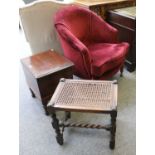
113,129
55,124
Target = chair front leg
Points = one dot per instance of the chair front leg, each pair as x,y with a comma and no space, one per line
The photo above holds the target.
121,71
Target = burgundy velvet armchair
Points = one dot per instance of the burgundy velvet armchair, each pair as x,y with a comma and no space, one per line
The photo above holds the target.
90,43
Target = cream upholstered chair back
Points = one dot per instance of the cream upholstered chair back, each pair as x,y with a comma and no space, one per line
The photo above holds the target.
36,20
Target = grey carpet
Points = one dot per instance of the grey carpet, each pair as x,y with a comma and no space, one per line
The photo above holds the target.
37,136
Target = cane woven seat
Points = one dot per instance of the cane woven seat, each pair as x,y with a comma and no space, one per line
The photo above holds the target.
85,95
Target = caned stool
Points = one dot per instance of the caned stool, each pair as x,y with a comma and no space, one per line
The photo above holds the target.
84,96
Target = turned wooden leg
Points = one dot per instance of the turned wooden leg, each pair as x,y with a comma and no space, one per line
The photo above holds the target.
67,115
55,124
121,71
32,93
113,129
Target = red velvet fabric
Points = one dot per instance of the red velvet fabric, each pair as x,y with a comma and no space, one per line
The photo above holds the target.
90,43
113,55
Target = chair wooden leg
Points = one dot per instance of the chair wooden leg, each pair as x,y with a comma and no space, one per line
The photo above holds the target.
113,129
121,71
55,124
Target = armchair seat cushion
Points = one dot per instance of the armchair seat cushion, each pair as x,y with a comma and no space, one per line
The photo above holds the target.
106,57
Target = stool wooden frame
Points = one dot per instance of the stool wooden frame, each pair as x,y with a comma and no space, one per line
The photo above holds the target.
79,96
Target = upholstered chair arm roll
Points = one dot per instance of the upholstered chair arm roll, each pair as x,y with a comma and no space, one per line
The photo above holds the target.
76,44
71,39
102,31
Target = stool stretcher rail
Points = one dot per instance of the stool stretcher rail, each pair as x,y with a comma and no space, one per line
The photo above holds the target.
86,125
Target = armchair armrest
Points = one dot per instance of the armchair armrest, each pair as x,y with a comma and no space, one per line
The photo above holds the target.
102,31
76,44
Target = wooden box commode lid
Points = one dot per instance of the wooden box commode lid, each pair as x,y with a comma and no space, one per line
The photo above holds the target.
45,63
